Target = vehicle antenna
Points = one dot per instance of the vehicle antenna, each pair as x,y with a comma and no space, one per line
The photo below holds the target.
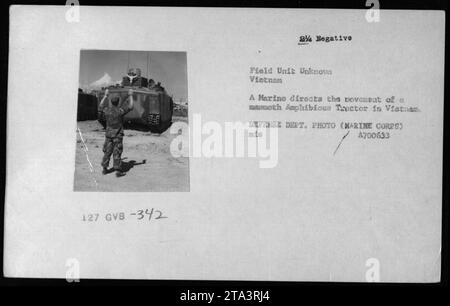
147,64
128,67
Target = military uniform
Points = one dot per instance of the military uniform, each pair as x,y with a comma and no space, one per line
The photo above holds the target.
114,135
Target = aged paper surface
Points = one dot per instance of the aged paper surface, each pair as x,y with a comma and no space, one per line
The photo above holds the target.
347,189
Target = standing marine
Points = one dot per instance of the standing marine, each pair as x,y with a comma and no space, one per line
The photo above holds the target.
114,130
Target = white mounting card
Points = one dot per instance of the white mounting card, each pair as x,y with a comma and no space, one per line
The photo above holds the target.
280,144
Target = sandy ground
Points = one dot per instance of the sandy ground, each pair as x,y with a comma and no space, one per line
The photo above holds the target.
146,159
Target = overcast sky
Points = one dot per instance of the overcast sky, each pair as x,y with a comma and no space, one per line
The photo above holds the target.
169,68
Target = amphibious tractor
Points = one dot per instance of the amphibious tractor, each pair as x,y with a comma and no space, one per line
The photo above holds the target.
153,107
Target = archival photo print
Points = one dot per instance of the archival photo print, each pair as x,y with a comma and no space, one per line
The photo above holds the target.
127,103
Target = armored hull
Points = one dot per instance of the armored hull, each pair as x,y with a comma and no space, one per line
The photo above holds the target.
153,108
87,107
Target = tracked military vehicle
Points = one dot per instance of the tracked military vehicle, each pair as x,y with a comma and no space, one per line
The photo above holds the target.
153,107
87,106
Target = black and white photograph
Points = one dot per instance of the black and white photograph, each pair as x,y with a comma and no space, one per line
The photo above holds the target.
250,145
127,101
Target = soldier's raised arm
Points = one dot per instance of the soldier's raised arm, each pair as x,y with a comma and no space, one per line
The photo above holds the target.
102,105
130,97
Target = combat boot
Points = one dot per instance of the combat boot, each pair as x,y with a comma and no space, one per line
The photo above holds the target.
119,173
